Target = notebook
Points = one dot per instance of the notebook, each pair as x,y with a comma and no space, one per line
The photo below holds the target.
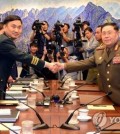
10,118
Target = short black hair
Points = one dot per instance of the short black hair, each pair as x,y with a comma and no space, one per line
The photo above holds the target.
33,44
46,22
99,26
67,25
86,22
115,26
88,29
11,18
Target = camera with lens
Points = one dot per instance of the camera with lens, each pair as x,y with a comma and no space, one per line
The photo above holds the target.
50,47
37,25
62,51
57,26
77,24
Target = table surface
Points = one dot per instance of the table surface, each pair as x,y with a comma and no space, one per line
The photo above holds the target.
54,115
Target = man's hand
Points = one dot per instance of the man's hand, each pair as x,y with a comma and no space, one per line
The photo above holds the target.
55,66
10,79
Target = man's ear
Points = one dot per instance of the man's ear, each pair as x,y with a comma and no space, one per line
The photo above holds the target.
4,26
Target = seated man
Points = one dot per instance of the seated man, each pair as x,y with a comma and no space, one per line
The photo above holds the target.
107,60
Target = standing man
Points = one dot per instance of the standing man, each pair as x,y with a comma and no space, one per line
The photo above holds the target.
98,34
107,60
89,49
41,35
9,53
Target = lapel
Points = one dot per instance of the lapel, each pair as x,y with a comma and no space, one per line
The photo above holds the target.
105,55
110,57
112,53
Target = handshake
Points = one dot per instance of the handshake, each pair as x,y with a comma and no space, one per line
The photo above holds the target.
54,66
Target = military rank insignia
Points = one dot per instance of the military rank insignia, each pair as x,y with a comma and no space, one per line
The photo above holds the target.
34,60
116,59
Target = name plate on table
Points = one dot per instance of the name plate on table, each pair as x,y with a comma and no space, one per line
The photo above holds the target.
100,107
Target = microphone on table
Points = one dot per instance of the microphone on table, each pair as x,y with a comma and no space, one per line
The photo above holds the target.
65,96
36,90
8,128
66,125
46,86
43,125
63,77
61,86
104,129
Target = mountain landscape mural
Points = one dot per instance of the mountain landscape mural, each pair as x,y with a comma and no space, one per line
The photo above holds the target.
96,15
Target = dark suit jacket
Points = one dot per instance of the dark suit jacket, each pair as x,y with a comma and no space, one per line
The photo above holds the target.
8,55
108,68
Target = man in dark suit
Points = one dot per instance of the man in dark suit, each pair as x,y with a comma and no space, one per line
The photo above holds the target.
9,53
107,60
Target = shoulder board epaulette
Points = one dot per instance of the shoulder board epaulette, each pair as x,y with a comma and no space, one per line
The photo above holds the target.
101,47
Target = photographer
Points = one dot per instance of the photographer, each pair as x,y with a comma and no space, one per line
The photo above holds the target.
49,55
67,39
64,57
63,54
40,33
79,41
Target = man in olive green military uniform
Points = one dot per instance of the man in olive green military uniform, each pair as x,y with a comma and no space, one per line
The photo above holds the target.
9,53
106,58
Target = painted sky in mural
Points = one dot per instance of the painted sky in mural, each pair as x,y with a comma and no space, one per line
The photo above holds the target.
112,6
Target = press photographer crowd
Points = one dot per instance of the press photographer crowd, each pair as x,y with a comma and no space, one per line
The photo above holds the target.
60,45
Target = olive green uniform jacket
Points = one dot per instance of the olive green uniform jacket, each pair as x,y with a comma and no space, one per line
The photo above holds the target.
108,68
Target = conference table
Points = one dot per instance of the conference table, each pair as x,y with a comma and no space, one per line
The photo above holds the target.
55,114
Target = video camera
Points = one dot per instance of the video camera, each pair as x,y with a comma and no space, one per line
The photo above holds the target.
57,26
77,25
57,29
37,25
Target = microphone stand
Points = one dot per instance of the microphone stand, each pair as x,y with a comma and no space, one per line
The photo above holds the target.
36,90
46,86
63,77
61,87
72,90
8,128
43,125
66,125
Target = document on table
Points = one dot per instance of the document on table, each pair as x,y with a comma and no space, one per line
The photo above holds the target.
101,107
